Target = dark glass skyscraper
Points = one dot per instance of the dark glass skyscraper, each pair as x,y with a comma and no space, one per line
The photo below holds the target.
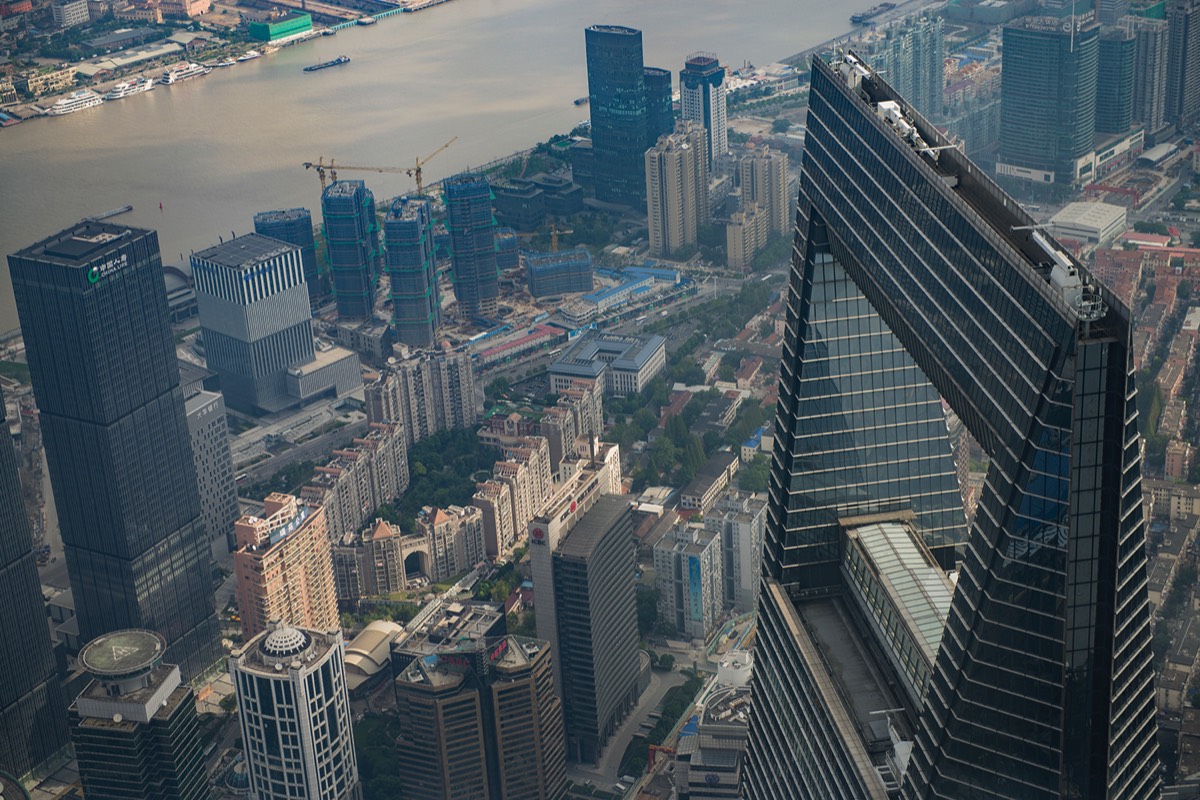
1042,687
352,239
1114,76
617,96
33,711
1183,61
93,312
295,226
472,244
660,113
412,273
1048,99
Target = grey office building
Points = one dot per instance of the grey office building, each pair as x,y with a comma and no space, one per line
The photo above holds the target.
295,226
209,434
255,318
352,241
412,271
595,606
33,711
1040,684
93,312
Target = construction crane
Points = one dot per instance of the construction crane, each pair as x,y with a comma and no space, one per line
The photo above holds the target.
414,171
554,232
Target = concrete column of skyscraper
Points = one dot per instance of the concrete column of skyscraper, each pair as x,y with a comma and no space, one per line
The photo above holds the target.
618,103
33,711
1149,71
134,726
295,226
677,188
1114,80
702,100
352,242
1183,61
412,273
1040,685
472,244
294,708
1048,99
93,312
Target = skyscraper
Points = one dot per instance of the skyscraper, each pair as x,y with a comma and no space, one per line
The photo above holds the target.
1149,71
677,188
134,727
295,226
587,578
215,480
93,312
284,567
256,322
617,98
295,713
33,711
352,241
763,173
911,53
1115,75
1048,99
481,719
1183,61
660,110
412,273
429,391
702,99
472,244
1042,685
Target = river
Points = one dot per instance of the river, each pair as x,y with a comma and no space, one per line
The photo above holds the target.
498,74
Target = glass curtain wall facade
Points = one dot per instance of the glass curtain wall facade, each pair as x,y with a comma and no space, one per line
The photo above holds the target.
352,240
295,226
93,311
473,244
412,271
618,103
1047,98
1043,686
33,711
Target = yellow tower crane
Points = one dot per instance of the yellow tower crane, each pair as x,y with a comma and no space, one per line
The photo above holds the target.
331,169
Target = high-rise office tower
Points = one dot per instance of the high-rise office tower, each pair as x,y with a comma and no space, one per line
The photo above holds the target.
93,312
295,226
134,727
412,271
677,188
764,180
592,626
352,241
1040,685
1114,76
295,712
617,99
472,244
284,567
1110,12
660,110
1183,61
33,711
1048,99
702,99
215,479
256,322
1149,71
480,719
